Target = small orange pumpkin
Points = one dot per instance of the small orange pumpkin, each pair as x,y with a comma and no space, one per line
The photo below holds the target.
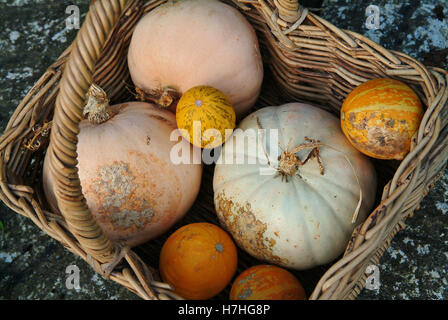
267,282
198,260
380,116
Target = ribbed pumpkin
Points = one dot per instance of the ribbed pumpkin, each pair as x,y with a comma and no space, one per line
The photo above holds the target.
198,260
266,282
205,116
292,201
380,116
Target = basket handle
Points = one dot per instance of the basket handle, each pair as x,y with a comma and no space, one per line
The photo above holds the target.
77,77
288,10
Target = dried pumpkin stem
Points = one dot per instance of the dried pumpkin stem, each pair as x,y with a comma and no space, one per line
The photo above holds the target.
289,161
164,97
97,106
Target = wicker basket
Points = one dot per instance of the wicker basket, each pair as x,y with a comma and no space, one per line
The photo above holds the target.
307,59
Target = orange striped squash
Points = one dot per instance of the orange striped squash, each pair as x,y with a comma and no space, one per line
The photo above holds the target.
380,116
266,282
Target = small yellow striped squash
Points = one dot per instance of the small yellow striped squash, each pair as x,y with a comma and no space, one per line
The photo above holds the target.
205,117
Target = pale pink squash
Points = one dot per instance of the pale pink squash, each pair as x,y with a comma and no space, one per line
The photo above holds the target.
133,190
183,44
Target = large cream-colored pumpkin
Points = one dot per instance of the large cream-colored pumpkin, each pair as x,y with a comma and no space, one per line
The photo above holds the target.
184,44
131,186
296,216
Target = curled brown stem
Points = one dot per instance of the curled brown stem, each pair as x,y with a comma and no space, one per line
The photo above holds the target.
289,162
164,98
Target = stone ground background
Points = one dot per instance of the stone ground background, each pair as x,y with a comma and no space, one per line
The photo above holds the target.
32,265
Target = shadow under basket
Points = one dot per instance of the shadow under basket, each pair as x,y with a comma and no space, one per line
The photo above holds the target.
306,59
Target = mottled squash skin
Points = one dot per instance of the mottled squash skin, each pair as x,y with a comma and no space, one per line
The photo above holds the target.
183,44
132,189
209,108
298,221
266,282
380,117
198,260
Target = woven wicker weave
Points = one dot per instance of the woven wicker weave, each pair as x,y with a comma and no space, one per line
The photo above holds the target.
307,59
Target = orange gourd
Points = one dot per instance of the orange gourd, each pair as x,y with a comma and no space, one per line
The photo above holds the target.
380,116
266,282
198,260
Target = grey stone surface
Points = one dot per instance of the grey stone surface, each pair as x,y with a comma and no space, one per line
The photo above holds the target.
418,28
33,266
